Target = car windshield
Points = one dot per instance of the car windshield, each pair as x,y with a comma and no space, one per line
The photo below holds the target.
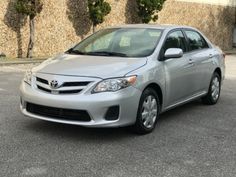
122,42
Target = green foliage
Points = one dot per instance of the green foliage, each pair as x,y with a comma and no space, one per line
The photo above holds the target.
29,7
98,9
148,9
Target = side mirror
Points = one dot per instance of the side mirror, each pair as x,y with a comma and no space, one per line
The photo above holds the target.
173,53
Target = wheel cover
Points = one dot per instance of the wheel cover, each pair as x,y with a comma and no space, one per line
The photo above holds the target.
215,88
149,111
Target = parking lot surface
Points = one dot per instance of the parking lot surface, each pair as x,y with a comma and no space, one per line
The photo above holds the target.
190,141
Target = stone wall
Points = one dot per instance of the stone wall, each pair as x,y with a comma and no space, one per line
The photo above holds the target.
61,24
65,22
214,2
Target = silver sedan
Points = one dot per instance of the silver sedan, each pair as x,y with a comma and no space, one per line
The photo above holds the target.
125,76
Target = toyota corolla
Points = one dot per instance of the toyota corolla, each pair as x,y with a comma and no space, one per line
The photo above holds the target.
125,76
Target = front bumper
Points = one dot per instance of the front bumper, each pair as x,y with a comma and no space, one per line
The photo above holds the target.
95,104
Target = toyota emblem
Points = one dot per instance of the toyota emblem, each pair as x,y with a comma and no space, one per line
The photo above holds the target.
54,84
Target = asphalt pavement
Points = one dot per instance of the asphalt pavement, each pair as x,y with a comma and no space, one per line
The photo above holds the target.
193,140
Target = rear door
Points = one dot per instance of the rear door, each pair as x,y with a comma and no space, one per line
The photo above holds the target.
200,54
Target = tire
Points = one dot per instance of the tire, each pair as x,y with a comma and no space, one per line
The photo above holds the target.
148,112
214,90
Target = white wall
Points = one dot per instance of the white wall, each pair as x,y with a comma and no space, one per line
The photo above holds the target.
214,2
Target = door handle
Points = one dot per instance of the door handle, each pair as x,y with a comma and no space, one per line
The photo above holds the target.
210,56
191,61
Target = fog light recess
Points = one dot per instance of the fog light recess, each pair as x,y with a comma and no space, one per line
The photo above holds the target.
112,113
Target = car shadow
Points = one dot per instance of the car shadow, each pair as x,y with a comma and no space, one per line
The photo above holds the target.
179,110
98,134
77,132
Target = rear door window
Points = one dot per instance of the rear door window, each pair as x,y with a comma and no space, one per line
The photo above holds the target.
195,40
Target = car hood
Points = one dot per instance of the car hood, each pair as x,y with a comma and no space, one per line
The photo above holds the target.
90,66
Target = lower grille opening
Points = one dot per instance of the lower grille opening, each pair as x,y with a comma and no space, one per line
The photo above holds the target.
58,113
112,113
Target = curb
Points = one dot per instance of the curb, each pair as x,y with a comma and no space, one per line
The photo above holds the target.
230,52
6,63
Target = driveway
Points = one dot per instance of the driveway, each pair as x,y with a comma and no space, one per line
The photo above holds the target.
190,141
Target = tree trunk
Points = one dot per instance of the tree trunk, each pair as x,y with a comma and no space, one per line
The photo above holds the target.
94,28
31,39
19,37
19,43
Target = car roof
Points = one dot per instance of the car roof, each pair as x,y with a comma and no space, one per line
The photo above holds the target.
156,26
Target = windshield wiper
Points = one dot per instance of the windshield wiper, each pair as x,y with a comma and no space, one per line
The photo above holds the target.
105,53
72,51
99,53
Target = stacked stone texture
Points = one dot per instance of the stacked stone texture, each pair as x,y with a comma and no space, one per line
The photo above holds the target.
63,23
216,22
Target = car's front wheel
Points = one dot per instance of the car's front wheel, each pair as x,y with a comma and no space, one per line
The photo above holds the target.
148,112
213,94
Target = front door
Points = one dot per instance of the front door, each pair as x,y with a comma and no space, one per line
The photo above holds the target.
178,71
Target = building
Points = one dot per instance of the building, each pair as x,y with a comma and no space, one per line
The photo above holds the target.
65,22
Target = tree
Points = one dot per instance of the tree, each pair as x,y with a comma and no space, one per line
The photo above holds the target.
30,8
148,9
98,9
15,22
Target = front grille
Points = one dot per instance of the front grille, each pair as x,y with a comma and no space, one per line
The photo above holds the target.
59,92
58,113
44,89
69,91
74,84
75,87
41,80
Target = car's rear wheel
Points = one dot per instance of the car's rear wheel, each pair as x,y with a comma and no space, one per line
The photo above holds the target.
148,112
213,94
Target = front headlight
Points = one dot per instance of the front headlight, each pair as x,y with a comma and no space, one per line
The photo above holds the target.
28,77
112,85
